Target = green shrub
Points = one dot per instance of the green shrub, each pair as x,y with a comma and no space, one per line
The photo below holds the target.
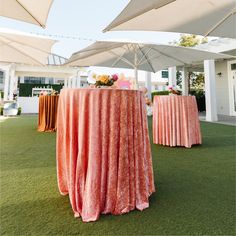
200,97
1,111
159,93
25,90
19,111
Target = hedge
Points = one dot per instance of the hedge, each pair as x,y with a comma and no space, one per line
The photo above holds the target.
159,93
25,90
199,94
200,97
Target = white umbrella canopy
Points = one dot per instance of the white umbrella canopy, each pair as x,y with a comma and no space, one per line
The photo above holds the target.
23,48
31,11
139,56
201,17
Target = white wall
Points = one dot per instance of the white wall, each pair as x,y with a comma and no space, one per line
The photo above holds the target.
222,89
28,104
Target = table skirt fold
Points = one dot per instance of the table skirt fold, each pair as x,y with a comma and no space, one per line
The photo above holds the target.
175,121
103,152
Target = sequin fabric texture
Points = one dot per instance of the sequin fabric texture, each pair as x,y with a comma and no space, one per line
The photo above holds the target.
175,121
103,154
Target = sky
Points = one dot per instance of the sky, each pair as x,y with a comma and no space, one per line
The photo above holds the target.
84,19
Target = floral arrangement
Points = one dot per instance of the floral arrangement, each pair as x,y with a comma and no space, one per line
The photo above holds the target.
173,91
46,93
102,80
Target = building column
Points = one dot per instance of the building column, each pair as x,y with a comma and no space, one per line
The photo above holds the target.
73,82
13,78
69,82
65,83
6,83
78,78
148,83
46,80
210,90
172,76
78,82
22,79
185,81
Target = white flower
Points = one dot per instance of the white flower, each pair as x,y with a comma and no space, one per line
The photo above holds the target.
90,78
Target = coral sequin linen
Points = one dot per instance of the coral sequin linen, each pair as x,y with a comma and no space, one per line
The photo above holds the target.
175,121
103,151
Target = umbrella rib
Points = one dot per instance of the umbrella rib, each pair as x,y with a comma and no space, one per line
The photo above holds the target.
103,49
145,56
221,21
118,59
164,54
24,53
30,14
122,58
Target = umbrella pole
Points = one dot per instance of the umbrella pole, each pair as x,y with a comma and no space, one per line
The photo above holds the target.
136,77
135,70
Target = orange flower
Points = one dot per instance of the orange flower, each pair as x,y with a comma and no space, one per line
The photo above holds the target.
104,78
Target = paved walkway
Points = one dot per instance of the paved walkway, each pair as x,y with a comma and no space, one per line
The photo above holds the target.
222,119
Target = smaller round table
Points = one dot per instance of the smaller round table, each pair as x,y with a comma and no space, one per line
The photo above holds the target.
175,121
47,117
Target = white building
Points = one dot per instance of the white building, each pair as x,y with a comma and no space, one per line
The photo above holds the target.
225,75
40,77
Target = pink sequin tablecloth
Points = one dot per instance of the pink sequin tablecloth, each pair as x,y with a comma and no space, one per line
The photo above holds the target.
175,121
103,151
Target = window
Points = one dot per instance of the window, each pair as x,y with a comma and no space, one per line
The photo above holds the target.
164,74
1,77
50,80
34,80
233,66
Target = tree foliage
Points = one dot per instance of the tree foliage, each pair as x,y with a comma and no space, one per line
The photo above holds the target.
196,79
190,40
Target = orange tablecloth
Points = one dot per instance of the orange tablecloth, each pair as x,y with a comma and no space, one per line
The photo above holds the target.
175,121
103,151
47,117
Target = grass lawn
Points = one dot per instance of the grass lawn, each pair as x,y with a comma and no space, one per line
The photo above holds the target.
195,187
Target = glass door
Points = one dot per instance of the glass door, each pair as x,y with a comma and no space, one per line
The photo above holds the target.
232,87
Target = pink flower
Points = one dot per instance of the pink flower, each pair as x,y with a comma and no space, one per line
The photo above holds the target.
115,77
170,88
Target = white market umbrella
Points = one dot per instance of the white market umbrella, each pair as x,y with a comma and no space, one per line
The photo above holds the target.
31,11
201,17
23,48
138,56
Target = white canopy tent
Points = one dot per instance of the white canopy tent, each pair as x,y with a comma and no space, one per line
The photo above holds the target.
201,17
138,56
31,11
24,48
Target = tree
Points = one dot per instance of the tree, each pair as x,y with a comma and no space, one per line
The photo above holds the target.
190,40
196,80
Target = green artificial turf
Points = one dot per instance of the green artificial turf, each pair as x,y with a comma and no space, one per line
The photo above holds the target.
195,187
